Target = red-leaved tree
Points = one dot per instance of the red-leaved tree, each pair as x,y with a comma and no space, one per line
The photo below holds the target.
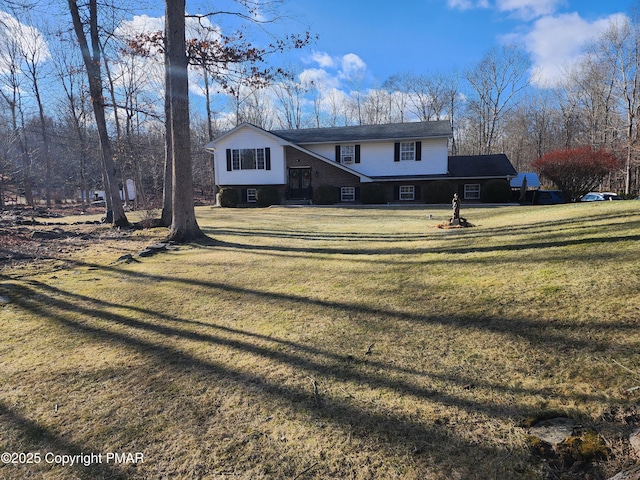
576,171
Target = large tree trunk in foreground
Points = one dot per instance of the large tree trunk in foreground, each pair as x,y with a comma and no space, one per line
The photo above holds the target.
184,227
92,64
167,191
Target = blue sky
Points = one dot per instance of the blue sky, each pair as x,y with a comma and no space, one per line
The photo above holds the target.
374,39
428,36
368,41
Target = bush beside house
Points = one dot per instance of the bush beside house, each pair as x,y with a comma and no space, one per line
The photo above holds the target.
326,195
373,194
267,196
495,191
228,197
439,191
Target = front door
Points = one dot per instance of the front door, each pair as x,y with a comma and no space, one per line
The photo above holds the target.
300,183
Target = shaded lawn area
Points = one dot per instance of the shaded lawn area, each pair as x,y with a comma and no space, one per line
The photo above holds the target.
330,343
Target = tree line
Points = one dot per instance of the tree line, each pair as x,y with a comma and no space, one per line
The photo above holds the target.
52,146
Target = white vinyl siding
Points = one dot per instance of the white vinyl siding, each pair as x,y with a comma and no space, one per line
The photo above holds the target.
377,158
250,138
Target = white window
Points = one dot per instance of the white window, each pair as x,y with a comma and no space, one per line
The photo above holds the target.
348,194
407,151
248,159
407,192
251,195
235,157
472,191
347,153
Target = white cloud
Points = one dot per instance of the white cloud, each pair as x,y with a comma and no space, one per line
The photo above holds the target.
323,59
467,4
557,42
140,24
332,70
320,78
352,63
524,9
529,9
18,38
200,27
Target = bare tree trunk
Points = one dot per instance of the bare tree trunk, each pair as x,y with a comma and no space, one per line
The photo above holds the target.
184,227
165,218
92,65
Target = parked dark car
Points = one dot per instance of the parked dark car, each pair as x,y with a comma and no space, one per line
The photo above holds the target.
543,197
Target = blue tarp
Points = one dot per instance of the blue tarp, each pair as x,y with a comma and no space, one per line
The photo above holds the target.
532,180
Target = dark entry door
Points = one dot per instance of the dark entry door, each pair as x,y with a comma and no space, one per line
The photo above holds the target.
300,183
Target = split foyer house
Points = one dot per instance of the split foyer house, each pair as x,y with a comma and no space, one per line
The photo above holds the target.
403,158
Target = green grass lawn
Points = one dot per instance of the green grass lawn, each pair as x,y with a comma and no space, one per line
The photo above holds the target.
329,343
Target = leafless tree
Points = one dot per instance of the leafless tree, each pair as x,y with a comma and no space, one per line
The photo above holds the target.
92,58
618,53
11,81
74,106
290,93
496,81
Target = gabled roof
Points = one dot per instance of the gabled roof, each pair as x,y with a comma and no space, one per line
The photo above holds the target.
211,145
481,166
357,133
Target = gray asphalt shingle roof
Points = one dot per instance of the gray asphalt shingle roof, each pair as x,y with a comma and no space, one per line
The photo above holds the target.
392,131
469,166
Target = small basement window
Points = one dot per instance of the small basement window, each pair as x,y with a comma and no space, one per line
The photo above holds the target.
472,191
251,195
348,194
407,192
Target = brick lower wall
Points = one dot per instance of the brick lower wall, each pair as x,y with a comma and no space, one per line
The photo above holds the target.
322,172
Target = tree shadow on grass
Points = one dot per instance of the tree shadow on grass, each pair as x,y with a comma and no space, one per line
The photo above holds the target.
383,428
463,241
35,438
340,366
98,322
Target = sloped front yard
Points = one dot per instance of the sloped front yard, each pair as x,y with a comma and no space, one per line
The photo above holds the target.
329,343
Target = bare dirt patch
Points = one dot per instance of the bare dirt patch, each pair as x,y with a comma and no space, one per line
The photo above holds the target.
29,236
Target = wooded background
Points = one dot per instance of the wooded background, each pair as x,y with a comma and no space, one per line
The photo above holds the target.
49,147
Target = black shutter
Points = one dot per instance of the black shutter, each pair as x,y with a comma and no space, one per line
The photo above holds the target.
243,195
416,193
357,153
396,192
338,153
357,198
418,151
267,158
396,152
228,159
